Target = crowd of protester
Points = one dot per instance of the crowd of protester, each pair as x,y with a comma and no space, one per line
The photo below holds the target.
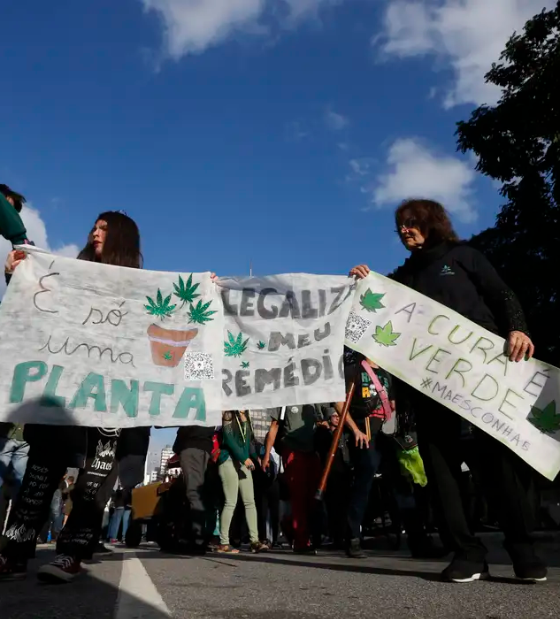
399,457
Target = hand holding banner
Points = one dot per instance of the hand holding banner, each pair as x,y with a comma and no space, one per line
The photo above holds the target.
461,366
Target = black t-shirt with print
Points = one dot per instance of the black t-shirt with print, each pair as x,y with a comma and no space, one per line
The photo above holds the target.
366,402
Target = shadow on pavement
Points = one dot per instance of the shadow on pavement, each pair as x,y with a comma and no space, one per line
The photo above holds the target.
87,597
292,560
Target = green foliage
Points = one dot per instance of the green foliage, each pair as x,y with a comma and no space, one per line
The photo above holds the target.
517,143
167,356
546,420
186,292
385,335
245,364
261,345
235,347
200,313
371,301
161,307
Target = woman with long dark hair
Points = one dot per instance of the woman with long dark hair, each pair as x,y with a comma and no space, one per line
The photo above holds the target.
458,276
113,240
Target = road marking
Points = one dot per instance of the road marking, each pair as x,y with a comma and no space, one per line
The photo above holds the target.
138,596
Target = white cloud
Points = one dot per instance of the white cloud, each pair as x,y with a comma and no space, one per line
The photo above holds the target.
416,171
335,121
192,26
36,232
467,35
360,167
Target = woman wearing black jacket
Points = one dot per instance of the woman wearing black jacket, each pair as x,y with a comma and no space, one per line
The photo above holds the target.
458,276
114,240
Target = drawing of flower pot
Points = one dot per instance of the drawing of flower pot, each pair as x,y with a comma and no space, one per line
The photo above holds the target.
169,345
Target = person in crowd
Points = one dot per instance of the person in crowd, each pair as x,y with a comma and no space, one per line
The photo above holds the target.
14,452
115,240
339,481
452,273
235,465
267,497
194,445
292,430
11,225
122,500
364,419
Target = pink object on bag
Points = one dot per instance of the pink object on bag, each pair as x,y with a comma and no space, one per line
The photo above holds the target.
380,390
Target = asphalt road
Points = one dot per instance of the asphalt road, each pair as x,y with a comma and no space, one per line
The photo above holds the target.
149,584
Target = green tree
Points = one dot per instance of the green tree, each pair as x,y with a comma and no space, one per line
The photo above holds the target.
517,143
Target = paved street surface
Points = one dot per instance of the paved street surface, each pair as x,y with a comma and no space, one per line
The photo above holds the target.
149,584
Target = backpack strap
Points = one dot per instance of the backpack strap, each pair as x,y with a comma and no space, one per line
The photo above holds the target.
381,392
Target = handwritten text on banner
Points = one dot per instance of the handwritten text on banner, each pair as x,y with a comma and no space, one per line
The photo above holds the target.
461,366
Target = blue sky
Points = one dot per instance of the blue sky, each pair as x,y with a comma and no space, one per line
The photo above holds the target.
282,132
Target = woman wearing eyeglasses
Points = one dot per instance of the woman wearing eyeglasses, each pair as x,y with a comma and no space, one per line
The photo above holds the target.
458,276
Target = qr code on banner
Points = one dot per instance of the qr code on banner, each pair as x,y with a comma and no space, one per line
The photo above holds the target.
198,366
356,327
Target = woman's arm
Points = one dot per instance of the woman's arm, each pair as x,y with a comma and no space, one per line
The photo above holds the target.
270,439
361,438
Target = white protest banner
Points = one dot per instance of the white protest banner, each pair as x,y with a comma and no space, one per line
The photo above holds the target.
460,365
283,339
96,345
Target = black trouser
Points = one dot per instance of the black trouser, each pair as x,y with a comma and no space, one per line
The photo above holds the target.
267,500
337,496
194,462
366,463
42,477
508,481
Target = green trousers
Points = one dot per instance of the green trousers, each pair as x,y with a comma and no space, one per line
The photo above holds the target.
237,478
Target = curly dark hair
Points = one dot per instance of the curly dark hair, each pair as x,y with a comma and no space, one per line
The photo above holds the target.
429,217
122,244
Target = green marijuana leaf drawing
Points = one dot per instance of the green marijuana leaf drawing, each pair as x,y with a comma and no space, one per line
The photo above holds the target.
372,301
167,355
200,313
546,420
245,364
385,335
261,345
235,347
186,292
160,307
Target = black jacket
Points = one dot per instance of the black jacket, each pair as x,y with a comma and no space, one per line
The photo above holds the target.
462,279
194,437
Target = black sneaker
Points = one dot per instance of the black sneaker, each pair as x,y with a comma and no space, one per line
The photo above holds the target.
527,565
530,570
101,549
465,571
63,569
354,550
11,570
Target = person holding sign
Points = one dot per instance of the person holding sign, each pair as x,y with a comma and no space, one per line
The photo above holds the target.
114,240
11,226
450,272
